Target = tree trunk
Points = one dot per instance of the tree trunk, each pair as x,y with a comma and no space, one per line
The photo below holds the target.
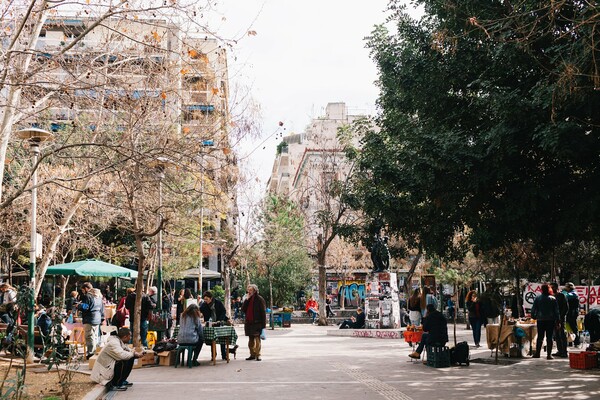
271,299
227,287
322,290
411,271
139,290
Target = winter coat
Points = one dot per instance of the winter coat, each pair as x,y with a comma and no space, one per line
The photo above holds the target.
435,323
91,308
545,308
253,328
104,368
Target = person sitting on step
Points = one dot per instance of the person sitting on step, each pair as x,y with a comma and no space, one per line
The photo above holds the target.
355,322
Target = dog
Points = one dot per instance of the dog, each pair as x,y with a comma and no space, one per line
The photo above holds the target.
233,350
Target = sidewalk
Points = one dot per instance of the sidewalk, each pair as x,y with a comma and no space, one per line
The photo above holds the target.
303,362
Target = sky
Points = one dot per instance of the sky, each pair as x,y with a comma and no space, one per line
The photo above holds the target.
299,56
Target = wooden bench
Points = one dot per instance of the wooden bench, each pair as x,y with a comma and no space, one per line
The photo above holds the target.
38,338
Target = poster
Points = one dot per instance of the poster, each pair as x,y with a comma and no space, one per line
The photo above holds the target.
534,289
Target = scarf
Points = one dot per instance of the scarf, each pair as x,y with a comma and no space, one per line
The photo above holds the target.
250,310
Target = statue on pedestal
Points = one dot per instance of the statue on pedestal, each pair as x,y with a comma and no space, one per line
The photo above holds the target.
380,254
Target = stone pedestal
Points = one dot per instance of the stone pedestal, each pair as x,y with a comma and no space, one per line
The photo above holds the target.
382,305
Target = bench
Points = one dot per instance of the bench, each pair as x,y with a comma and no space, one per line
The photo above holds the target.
39,339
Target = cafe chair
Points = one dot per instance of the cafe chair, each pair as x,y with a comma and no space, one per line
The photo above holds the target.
77,338
180,353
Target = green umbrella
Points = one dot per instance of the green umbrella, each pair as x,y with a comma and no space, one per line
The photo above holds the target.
91,268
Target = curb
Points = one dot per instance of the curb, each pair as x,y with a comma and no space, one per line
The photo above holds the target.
96,393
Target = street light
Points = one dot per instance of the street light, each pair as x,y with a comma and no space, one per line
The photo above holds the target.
160,165
34,136
205,143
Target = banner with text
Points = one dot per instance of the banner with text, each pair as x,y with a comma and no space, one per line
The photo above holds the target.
533,289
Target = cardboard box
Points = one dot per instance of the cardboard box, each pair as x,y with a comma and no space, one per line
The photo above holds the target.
166,358
147,359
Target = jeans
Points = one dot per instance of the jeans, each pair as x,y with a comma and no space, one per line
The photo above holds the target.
476,326
424,340
143,332
313,313
545,329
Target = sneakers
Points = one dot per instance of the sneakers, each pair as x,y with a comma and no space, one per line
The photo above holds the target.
127,384
110,387
415,355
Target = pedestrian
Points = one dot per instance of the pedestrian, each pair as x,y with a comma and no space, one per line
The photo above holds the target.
491,305
435,331
414,307
328,308
475,315
71,303
190,331
90,308
427,298
214,311
147,306
560,336
167,304
573,313
114,364
254,307
545,311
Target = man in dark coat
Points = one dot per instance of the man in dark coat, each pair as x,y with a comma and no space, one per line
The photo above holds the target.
213,310
147,306
254,307
573,313
592,324
560,334
435,331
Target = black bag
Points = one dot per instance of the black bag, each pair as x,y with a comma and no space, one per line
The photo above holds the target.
165,346
460,354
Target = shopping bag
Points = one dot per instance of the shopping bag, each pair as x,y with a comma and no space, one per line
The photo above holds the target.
158,320
263,334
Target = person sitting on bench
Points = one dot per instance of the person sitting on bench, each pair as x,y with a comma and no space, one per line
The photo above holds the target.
355,322
435,331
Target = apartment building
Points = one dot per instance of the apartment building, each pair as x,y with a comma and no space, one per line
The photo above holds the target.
100,80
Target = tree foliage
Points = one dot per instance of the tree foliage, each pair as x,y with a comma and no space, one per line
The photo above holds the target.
489,130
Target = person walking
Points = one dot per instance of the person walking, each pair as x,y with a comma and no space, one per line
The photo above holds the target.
190,331
573,313
414,307
560,336
254,307
545,311
476,316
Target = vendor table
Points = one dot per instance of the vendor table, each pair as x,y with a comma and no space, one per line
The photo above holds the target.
507,337
221,335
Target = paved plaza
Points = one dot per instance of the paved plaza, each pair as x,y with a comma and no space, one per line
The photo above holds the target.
303,362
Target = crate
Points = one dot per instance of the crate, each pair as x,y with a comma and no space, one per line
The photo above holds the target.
583,360
438,356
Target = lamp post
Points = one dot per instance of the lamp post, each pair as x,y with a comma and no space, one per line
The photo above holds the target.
160,165
34,136
205,143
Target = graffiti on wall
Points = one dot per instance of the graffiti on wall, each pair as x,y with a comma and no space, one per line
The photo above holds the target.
354,292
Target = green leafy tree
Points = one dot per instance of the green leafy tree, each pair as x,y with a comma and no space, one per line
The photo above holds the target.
284,265
483,127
